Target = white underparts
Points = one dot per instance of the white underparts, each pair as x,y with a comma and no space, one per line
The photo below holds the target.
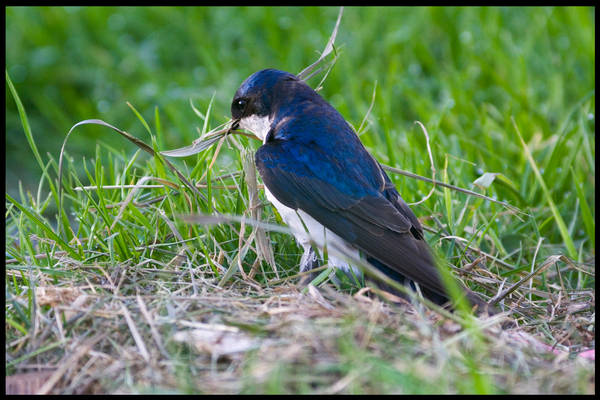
260,126
338,250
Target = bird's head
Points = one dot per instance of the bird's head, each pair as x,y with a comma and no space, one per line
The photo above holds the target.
261,96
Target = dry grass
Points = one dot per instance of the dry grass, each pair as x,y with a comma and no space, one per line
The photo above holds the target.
175,333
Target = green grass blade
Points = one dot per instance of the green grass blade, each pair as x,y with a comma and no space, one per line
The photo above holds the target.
568,241
448,199
139,116
589,222
25,122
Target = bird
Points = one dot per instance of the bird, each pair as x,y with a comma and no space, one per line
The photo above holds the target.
329,189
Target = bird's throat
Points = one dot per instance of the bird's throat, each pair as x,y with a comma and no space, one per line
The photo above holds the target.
258,125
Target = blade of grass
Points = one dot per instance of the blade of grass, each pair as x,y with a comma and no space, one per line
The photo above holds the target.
34,353
568,241
328,48
446,185
159,132
139,116
25,122
589,222
448,199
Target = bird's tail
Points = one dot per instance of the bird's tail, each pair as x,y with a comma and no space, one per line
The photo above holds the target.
478,305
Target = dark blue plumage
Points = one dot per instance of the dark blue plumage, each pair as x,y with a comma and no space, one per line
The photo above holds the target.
311,161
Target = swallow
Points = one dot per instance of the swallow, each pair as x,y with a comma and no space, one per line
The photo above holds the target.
329,189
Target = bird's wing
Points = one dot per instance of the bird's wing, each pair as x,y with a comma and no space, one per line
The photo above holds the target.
348,197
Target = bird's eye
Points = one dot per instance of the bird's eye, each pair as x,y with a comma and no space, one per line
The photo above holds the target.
241,104
239,107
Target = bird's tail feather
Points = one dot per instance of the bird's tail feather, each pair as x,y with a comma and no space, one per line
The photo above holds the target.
480,306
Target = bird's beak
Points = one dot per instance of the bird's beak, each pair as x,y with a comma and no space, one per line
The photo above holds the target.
234,125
